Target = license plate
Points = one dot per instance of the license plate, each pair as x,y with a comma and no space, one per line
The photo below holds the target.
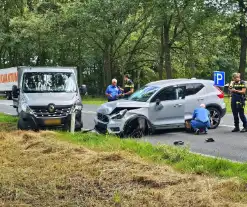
52,122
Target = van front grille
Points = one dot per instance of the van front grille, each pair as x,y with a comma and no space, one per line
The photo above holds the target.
59,111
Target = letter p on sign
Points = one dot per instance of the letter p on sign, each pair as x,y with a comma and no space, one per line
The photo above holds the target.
219,78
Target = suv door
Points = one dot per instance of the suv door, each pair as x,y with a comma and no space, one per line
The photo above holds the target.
168,112
195,94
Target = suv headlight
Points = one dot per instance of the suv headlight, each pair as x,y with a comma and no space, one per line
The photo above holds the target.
119,115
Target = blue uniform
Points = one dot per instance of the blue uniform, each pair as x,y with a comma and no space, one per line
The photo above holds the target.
201,119
114,91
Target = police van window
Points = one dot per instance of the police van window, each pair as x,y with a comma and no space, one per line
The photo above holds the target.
193,88
167,94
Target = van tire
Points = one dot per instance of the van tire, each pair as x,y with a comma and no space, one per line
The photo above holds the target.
8,95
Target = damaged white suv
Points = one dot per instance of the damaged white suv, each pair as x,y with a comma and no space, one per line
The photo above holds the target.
158,105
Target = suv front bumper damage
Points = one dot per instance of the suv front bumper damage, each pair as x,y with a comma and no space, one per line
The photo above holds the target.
112,127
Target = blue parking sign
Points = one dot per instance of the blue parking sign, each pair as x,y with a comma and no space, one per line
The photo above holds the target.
219,78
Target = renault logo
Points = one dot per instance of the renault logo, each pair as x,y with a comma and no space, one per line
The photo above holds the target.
51,108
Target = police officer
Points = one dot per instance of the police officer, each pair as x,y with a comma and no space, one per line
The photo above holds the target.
238,89
128,86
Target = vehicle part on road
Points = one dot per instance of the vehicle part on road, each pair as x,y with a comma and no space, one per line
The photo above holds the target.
24,124
209,140
215,117
178,143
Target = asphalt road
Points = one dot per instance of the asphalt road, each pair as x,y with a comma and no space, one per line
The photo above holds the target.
227,145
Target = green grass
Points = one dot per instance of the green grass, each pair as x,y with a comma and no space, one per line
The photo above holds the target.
4,118
93,100
180,158
228,105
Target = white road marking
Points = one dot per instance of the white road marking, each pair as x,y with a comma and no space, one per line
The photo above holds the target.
222,158
5,104
89,112
224,125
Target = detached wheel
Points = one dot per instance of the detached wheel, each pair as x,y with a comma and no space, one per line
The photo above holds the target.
21,125
215,117
25,125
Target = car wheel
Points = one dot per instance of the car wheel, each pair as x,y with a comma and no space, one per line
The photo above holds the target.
215,117
135,128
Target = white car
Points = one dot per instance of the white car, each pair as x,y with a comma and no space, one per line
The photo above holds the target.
165,104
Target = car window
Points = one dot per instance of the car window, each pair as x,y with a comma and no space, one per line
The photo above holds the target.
144,93
180,92
166,94
193,88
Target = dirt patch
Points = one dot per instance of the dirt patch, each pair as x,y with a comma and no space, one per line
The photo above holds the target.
38,170
7,126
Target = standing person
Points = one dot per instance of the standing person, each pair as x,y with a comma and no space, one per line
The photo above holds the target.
201,120
238,90
128,87
113,92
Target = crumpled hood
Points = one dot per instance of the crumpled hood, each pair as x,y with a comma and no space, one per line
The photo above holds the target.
107,108
40,99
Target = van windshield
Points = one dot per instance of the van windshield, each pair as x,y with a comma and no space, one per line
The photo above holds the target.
144,93
41,82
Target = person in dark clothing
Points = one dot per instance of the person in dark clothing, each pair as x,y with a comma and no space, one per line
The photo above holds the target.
128,89
238,90
113,92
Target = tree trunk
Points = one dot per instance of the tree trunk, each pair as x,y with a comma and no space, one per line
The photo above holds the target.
30,5
139,79
191,56
107,66
161,63
167,51
243,49
243,37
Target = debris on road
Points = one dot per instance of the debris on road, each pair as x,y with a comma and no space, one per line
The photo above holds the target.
178,143
209,140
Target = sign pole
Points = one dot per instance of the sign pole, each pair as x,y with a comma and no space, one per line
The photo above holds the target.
72,123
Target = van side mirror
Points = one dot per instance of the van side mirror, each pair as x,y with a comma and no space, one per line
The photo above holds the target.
157,102
83,90
15,91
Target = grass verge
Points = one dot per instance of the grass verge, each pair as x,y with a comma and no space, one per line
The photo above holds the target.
228,105
180,158
93,100
37,169
7,122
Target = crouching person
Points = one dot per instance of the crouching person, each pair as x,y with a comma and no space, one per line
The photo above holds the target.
201,120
